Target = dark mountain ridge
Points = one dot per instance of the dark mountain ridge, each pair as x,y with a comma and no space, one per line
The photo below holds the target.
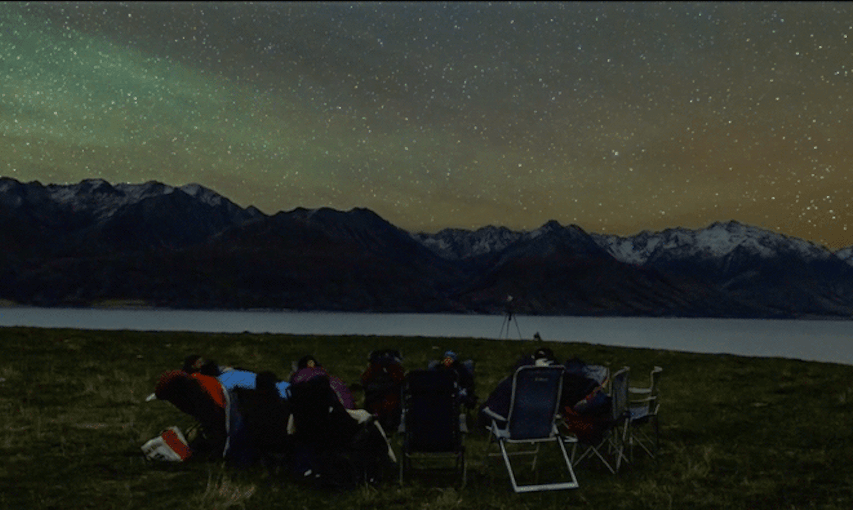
189,247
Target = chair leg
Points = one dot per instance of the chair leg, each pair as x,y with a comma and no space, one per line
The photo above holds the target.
505,454
568,461
593,450
646,436
631,442
573,484
619,444
535,457
657,434
488,452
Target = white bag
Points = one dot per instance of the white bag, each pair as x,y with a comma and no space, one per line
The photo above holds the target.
170,445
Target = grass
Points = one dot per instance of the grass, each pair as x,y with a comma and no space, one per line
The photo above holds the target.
740,433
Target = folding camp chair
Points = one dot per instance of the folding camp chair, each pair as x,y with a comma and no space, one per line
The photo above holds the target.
643,410
430,421
612,432
531,420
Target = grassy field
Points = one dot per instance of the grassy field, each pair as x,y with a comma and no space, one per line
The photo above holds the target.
738,433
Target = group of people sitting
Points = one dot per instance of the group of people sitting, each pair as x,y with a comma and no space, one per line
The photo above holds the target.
583,389
309,424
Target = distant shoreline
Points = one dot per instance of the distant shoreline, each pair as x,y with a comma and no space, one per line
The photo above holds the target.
822,340
141,305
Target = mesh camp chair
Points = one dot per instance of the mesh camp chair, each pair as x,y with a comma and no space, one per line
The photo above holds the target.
531,421
430,420
643,408
608,440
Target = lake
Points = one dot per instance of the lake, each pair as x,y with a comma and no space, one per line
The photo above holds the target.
810,340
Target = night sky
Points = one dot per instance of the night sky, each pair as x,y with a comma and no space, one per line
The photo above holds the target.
616,117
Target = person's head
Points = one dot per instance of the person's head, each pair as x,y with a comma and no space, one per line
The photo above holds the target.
543,356
449,358
307,361
193,363
210,368
385,356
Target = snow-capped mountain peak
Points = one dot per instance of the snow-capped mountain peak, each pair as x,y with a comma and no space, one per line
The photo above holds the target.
101,198
96,200
845,254
717,241
456,244
206,195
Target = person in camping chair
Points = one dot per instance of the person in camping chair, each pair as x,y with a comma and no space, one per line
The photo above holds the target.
265,417
333,446
497,404
202,397
308,368
230,377
383,382
464,373
467,395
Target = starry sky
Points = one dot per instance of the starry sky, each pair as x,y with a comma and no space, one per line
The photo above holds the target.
616,117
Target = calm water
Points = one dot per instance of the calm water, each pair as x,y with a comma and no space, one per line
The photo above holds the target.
828,341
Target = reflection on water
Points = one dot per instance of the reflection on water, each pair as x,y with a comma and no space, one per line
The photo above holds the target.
829,341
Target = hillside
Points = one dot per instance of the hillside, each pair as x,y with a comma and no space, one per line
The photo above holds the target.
189,247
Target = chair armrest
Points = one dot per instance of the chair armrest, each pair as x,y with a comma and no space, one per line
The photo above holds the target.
640,390
567,435
651,400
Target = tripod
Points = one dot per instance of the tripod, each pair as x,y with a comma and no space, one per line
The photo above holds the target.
508,317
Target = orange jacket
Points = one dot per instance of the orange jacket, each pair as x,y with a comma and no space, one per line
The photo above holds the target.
212,387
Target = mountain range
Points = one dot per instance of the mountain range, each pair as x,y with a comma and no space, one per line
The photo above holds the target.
94,242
